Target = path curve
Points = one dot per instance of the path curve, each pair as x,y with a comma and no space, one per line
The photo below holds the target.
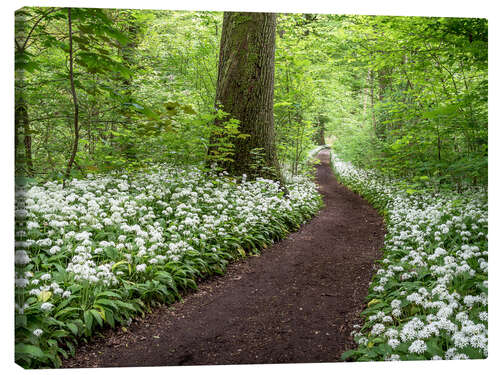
296,303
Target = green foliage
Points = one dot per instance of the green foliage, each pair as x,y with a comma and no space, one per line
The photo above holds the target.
407,95
258,164
424,98
223,131
58,306
429,226
303,80
135,79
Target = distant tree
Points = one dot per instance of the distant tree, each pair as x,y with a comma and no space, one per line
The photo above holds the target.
321,120
245,90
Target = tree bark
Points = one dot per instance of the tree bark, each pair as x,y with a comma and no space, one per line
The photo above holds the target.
245,88
320,129
128,51
372,99
75,101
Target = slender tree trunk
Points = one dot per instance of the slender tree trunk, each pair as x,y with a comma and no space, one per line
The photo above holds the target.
245,87
383,82
128,52
22,123
288,110
372,97
366,96
75,100
50,161
320,131
297,144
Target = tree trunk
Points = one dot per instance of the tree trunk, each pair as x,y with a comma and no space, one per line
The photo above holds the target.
245,88
383,82
128,51
372,100
320,130
75,101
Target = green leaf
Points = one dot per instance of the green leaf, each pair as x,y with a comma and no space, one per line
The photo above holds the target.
73,328
97,316
106,302
59,333
118,264
63,352
66,311
109,317
87,317
108,293
125,305
71,347
117,35
192,284
348,354
31,350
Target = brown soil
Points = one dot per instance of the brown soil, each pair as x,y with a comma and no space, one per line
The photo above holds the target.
295,303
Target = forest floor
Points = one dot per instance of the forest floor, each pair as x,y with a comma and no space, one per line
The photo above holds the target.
295,303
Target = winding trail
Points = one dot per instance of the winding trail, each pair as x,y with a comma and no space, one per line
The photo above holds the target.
295,303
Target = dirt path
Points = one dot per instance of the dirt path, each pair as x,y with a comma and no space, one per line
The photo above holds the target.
296,303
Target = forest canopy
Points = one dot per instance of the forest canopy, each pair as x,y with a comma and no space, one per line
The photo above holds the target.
407,95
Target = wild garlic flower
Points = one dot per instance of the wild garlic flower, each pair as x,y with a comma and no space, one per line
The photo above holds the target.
420,227
141,267
418,346
37,332
46,306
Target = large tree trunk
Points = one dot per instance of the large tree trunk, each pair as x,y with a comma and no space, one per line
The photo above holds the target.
245,88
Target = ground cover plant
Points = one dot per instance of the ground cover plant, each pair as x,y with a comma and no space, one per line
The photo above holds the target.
105,248
429,297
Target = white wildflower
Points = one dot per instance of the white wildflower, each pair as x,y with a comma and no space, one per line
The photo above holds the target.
37,332
417,346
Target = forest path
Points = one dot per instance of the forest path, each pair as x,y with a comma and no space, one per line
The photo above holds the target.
295,303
